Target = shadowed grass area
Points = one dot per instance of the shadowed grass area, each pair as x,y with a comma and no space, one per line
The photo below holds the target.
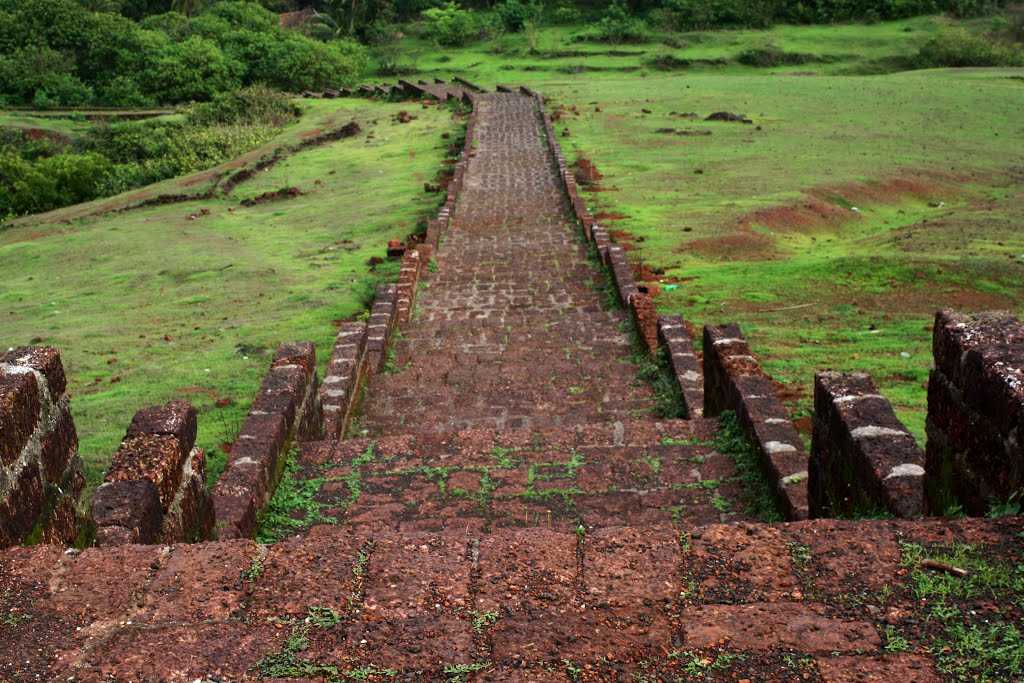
189,300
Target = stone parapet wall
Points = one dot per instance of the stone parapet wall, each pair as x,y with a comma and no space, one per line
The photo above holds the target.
155,489
686,365
343,378
734,380
975,450
380,325
678,346
41,474
863,460
286,411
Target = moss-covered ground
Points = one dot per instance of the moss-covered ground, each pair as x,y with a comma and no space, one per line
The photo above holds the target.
189,300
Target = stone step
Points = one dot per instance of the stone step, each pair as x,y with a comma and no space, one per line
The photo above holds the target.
816,601
635,473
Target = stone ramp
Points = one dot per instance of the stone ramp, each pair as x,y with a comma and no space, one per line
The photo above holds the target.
805,601
482,480
511,330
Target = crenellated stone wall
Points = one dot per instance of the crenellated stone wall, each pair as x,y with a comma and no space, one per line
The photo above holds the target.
975,451
155,489
286,410
734,380
863,460
41,476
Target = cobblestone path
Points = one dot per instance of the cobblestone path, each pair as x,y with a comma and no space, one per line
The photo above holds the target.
510,331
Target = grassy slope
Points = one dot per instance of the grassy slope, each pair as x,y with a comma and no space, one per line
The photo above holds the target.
852,294
148,305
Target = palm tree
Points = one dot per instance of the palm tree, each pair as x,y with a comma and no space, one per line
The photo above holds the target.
331,23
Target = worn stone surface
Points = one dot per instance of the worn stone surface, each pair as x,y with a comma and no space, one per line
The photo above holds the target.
40,472
615,602
127,512
975,425
509,332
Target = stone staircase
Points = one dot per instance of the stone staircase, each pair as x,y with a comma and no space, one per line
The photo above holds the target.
508,507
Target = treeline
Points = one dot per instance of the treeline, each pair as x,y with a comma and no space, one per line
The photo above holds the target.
136,53
62,53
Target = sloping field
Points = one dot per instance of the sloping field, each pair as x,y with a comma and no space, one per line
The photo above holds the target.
187,299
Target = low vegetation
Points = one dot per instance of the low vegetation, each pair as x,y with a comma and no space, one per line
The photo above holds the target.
41,171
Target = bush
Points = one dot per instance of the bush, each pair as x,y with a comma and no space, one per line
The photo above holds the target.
123,91
958,48
257,105
193,70
451,26
31,187
973,8
619,26
566,14
770,55
514,15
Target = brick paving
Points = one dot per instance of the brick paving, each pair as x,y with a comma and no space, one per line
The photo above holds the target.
510,331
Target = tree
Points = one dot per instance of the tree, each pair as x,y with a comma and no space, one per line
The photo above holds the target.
187,7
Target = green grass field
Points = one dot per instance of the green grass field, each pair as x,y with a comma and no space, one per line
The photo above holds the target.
190,300
835,224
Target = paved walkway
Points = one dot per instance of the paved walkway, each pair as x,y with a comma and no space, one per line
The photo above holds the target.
510,331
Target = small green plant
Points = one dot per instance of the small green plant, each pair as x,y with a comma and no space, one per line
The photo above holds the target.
720,503
323,617
800,553
504,457
699,666
293,505
894,642
457,673
758,496
254,570
484,620
573,671
1006,508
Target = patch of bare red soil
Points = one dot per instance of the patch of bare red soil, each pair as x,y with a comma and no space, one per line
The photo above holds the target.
744,245
275,196
586,172
829,206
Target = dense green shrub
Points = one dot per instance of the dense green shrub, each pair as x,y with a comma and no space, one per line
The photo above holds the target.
514,15
958,48
770,55
707,14
32,186
566,14
257,105
451,25
58,53
618,25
